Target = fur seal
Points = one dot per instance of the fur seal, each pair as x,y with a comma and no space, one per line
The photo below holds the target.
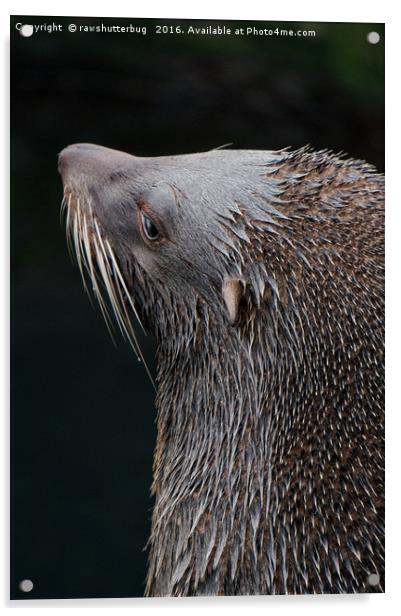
260,273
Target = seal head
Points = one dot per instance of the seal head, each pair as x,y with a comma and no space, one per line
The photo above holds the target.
165,215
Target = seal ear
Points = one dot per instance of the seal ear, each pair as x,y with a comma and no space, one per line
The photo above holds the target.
232,291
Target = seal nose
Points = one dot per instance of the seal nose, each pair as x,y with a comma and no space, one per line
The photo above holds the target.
77,157
90,162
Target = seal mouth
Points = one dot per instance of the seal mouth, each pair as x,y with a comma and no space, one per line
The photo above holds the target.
99,269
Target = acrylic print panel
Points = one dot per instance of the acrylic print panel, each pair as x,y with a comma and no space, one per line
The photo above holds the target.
222,190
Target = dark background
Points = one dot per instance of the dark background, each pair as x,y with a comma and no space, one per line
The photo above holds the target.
83,421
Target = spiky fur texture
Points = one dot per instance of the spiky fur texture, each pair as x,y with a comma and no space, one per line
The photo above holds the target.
268,468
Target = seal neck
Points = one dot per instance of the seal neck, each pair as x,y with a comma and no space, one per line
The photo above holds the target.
211,462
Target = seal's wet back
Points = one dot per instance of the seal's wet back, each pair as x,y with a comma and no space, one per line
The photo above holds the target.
261,276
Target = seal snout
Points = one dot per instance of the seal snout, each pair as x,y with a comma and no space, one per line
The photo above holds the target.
90,161
82,158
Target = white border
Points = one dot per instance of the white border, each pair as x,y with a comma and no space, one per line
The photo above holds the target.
292,10
297,10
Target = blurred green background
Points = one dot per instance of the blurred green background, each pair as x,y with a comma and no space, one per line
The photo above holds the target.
83,421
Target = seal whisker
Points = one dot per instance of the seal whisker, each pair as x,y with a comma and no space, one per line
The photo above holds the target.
120,276
76,243
87,257
131,336
103,308
95,286
85,249
69,229
116,301
109,288
62,209
78,238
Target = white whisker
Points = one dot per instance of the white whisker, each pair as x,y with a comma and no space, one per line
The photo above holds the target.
62,209
95,256
132,337
87,249
118,303
120,276
83,250
109,288
69,230
77,238
93,278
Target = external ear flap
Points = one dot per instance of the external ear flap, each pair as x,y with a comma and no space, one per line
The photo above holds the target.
232,290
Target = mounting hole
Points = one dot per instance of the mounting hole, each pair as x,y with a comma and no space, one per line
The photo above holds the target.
374,579
26,585
26,30
373,38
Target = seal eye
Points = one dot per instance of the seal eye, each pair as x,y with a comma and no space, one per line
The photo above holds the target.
149,228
